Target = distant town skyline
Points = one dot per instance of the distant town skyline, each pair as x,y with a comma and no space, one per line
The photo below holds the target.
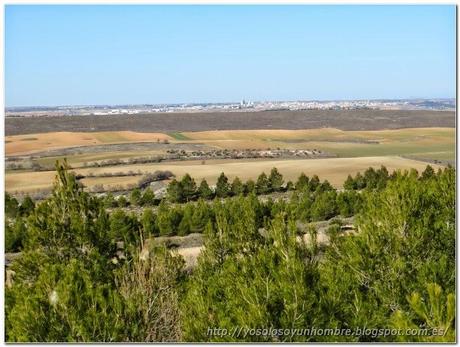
157,54
229,102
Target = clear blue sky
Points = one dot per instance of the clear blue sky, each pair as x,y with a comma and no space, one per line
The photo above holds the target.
62,55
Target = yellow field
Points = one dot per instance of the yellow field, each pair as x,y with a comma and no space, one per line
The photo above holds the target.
32,143
319,134
335,170
28,181
420,142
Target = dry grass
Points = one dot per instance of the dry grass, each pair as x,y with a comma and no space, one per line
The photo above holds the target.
28,181
110,181
27,144
335,170
261,134
318,134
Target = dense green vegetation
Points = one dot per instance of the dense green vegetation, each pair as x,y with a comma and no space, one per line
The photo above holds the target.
87,274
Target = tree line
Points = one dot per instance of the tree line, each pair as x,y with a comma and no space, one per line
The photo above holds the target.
311,200
86,274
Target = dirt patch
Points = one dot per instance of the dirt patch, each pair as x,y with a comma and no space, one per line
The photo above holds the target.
20,145
190,256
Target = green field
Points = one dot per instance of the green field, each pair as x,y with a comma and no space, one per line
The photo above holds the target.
179,136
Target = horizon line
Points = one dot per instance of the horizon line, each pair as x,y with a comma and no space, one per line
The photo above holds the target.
232,102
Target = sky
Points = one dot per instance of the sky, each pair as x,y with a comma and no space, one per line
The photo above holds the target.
88,55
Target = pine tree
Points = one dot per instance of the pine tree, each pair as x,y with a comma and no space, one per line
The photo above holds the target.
400,247
371,178
302,182
62,287
324,187
175,192
188,187
122,202
184,227
348,203
164,221
201,216
27,206
204,191
263,184
272,280
148,198
72,285
148,221
135,197
250,187
109,201
428,173
349,183
324,206
124,227
15,235
436,311
290,186
11,206
276,180
314,183
237,187
382,177
222,186
360,182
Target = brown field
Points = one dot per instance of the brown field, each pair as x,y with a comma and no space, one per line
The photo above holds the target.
335,170
28,144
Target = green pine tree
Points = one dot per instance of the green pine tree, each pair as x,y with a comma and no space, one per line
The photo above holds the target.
237,187
276,180
222,186
263,184
204,191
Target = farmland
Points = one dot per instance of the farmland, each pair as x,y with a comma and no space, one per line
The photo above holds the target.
230,174
411,141
354,150
335,170
23,144
124,158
